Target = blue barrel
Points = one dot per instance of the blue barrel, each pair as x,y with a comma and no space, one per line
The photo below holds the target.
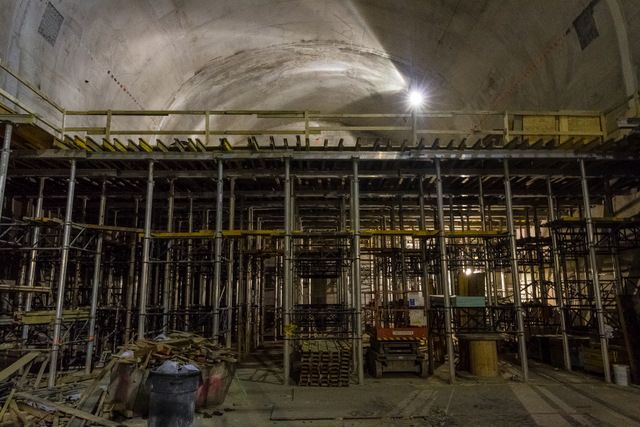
172,395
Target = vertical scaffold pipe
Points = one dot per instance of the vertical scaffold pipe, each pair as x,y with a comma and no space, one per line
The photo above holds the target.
515,277
146,254
357,286
95,286
4,162
215,303
33,256
166,291
593,272
230,278
444,275
62,277
287,271
557,280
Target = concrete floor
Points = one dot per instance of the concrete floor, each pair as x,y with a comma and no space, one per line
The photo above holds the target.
551,398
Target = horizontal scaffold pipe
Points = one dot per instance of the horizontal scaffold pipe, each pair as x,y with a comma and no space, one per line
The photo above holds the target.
409,155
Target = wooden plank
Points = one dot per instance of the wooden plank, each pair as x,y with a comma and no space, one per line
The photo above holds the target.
67,410
18,364
6,403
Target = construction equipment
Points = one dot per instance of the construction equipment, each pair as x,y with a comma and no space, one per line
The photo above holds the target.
398,350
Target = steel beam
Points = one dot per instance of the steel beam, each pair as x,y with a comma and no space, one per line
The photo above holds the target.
217,271
62,277
95,286
515,276
593,272
444,275
146,254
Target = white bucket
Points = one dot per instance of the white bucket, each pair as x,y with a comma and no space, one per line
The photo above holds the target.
621,374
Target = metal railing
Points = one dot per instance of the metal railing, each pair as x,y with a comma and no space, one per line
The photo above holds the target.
503,125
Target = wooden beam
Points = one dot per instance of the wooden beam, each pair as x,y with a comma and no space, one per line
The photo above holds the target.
18,364
67,410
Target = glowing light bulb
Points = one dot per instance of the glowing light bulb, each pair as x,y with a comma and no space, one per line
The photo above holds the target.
415,98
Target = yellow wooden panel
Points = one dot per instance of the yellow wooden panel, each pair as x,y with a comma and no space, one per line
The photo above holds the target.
533,124
584,124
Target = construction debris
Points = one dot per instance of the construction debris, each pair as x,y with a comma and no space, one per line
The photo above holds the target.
114,392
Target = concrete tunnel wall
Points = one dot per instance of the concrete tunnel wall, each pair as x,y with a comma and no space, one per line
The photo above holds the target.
331,55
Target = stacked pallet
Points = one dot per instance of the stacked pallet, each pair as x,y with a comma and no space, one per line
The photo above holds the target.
324,363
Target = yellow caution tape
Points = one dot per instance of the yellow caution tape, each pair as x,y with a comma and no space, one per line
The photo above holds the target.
290,329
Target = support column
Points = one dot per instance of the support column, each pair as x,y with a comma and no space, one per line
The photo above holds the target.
4,162
343,298
248,287
426,289
62,276
166,291
487,269
188,286
33,256
287,270
357,286
230,279
215,303
97,269
515,278
146,253
444,275
557,280
593,271
131,279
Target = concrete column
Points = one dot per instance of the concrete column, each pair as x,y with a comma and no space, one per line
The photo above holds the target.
515,278
444,275
62,277
557,280
146,253
97,269
593,272
218,253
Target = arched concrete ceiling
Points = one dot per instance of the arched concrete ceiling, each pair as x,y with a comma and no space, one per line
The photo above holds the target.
321,55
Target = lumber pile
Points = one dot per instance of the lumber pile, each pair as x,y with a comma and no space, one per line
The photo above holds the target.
117,390
324,363
128,394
